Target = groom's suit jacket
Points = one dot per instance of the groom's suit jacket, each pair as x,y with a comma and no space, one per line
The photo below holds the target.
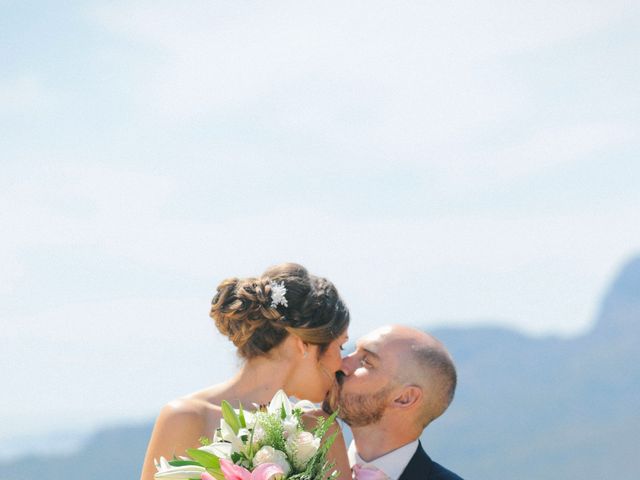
421,467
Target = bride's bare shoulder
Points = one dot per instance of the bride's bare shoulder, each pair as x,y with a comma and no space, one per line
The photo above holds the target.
179,426
188,413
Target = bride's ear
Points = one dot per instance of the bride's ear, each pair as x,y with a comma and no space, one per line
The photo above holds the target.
409,396
301,346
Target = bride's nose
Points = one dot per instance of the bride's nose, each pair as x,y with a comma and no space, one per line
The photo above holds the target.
348,364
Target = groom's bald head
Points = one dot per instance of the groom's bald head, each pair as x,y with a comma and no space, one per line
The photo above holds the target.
426,363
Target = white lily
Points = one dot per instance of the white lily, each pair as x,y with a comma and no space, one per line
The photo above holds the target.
227,434
278,401
185,472
219,449
305,405
249,418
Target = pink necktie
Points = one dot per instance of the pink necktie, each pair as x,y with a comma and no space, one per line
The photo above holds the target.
368,473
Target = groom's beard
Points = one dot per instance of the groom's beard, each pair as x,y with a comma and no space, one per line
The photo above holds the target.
355,409
359,410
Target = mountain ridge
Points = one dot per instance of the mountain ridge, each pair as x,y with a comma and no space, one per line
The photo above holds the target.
526,407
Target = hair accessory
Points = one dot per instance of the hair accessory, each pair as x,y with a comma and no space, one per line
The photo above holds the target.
278,291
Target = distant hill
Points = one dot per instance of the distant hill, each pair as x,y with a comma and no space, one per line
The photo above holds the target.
113,453
530,408
526,408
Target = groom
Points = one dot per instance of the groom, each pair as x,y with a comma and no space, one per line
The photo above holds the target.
396,382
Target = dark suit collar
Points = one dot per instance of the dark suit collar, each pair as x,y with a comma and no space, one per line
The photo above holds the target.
419,467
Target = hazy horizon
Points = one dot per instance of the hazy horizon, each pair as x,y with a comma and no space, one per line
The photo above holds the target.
444,165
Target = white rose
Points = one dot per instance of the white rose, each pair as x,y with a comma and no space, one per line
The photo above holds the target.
270,455
301,447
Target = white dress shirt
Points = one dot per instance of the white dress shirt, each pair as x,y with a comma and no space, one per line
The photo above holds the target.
392,463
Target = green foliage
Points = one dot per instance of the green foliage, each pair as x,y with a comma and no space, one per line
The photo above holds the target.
217,474
318,467
205,459
182,463
204,441
274,432
243,422
298,414
324,424
230,416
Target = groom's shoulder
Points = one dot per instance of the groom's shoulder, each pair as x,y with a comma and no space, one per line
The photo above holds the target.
434,470
438,472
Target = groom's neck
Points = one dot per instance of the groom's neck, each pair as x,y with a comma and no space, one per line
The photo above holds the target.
374,441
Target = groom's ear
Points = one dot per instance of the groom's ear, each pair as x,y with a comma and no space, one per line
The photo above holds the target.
409,396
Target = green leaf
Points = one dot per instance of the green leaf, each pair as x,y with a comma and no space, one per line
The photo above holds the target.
243,422
205,459
230,416
182,463
217,473
323,424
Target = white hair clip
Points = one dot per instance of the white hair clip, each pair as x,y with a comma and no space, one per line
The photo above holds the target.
278,291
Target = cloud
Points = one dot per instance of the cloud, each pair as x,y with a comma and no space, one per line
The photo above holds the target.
540,151
418,85
387,63
80,363
395,148
460,266
24,94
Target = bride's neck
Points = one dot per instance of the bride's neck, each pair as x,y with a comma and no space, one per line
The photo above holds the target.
258,380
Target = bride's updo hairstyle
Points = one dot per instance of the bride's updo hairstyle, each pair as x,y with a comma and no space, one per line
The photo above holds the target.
243,310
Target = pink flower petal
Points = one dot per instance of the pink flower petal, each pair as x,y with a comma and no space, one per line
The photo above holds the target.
234,472
207,476
265,471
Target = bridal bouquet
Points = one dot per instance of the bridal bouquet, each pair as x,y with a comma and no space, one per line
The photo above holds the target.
267,444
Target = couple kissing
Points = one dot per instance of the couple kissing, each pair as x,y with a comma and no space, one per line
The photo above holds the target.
289,328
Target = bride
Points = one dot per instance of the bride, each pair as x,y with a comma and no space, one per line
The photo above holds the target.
289,338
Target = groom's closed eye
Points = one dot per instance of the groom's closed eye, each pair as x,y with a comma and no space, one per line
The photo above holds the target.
369,357
364,362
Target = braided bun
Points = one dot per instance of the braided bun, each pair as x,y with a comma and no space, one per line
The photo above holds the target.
242,310
243,307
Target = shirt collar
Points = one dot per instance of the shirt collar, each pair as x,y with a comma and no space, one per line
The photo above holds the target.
392,463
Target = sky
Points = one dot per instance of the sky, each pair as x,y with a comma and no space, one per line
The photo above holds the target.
454,164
